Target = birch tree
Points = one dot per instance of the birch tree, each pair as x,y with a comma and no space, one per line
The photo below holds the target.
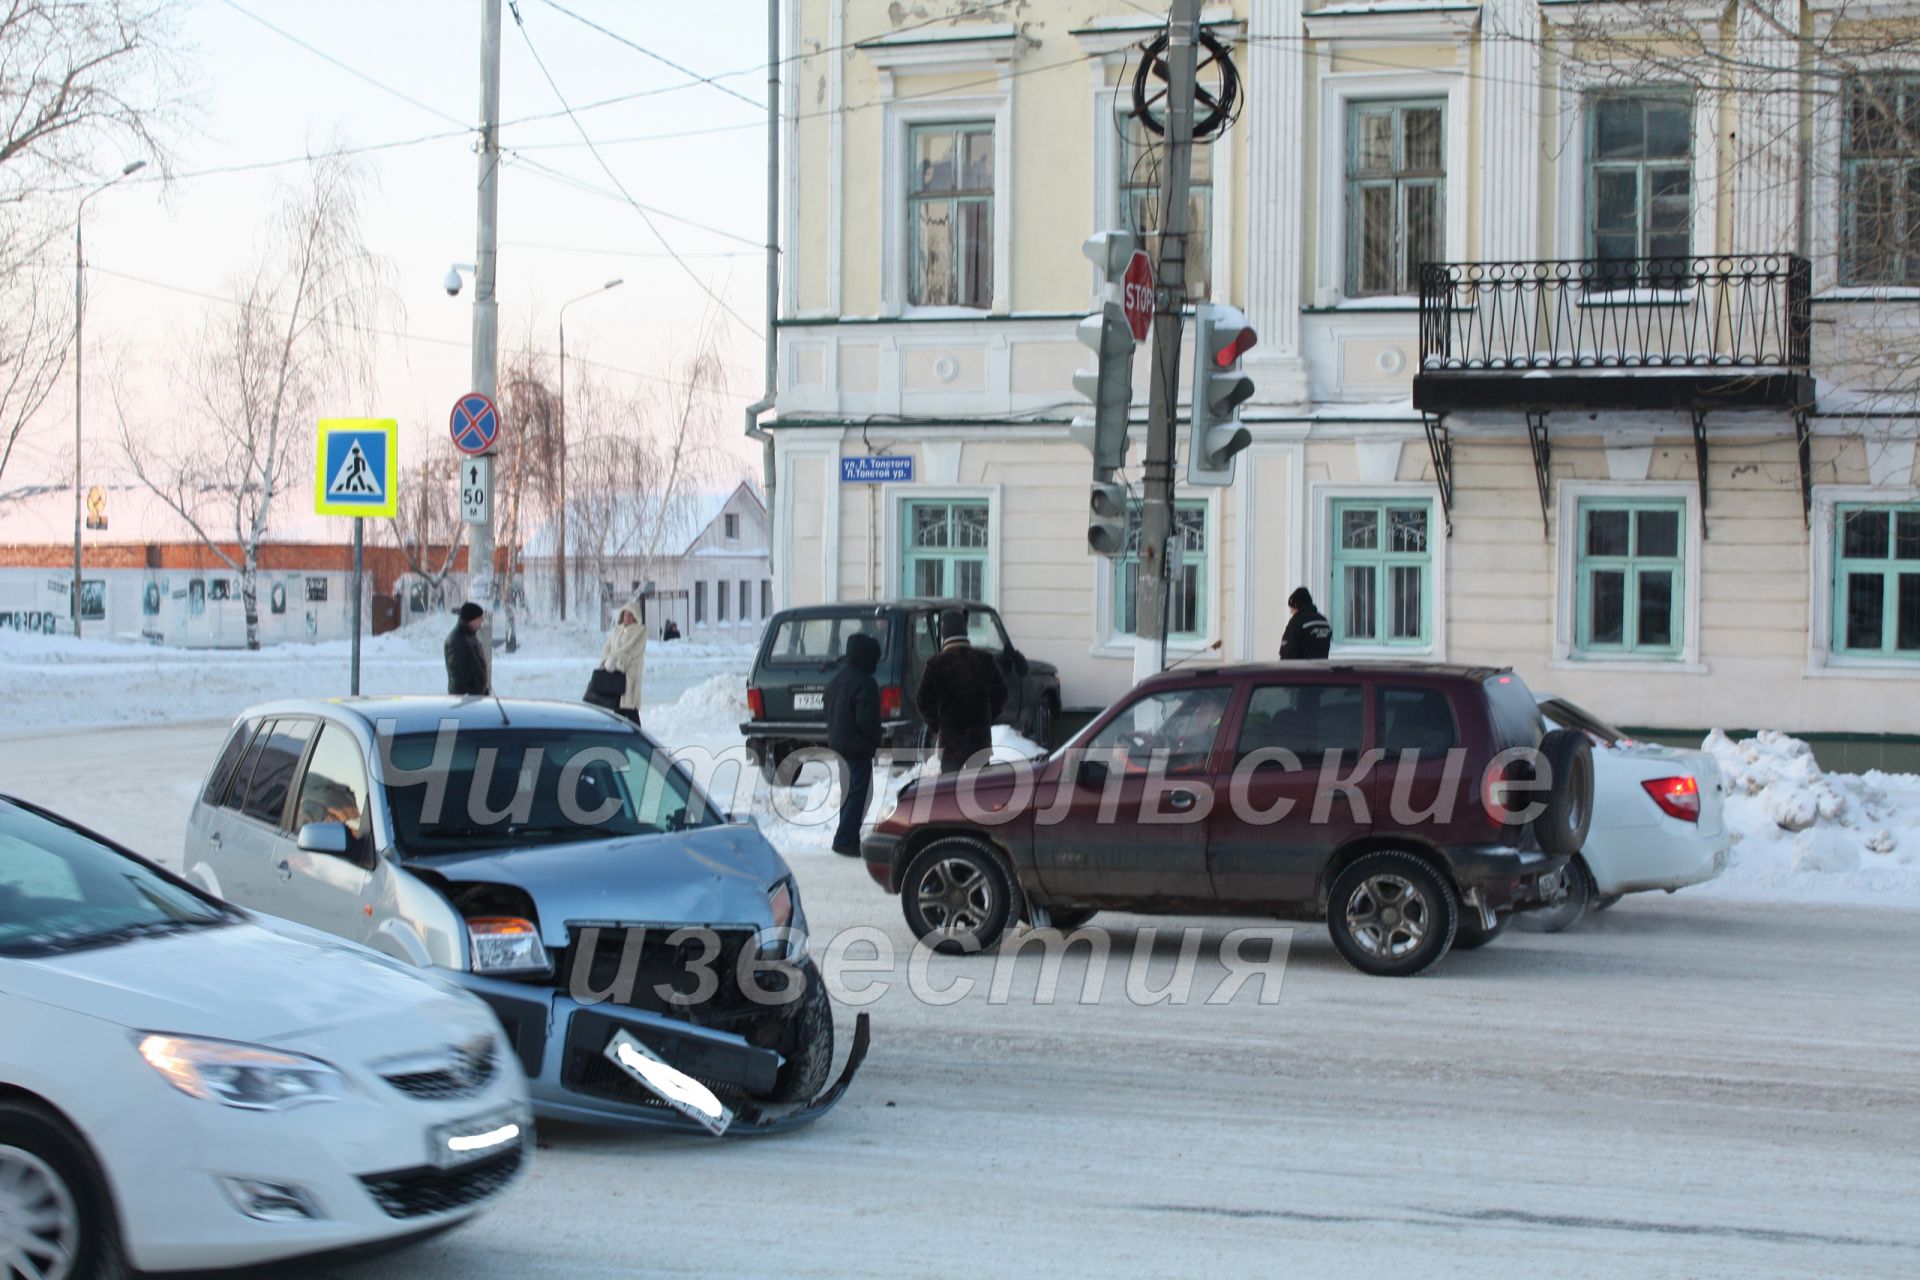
427,529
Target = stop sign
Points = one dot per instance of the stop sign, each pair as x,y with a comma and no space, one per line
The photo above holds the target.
1136,295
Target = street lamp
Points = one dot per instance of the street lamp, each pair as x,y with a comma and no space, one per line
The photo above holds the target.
560,553
79,312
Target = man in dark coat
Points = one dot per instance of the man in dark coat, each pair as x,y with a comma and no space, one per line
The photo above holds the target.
1308,634
853,732
467,674
961,694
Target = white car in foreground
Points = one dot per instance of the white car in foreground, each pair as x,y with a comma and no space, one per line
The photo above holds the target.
1657,819
185,1086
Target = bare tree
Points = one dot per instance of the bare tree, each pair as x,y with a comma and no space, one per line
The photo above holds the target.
299,331
34,339
427,529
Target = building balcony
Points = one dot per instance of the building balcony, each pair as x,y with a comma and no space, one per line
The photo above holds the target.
1690,334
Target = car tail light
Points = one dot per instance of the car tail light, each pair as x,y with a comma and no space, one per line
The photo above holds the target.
1677,797
889,701
756,703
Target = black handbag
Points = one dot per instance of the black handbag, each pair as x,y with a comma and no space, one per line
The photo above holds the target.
606,688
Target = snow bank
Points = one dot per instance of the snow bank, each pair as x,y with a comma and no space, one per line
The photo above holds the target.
1807,835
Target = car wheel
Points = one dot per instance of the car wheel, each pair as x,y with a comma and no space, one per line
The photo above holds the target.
1391,915
56,1220
1566,909
1472,935
808,1045
958,895
1067,919
1561,828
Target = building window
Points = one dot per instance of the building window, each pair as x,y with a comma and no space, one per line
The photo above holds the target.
1382,572
1880,174
1631,575
746,600
950,216
946,549
699,602
1876,581
1640,180
1140,156
766,597
730,526
1396,194
1187,605
720,601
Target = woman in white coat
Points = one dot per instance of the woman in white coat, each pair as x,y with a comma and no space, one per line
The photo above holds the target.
626,652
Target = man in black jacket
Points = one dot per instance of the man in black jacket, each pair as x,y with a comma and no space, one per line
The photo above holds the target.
467,674
961,694
854,733
1308,633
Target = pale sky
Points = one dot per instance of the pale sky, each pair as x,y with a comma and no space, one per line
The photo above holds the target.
265,98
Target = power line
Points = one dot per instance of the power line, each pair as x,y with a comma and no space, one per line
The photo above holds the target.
640,48
601,252
621,197
357,74
519,22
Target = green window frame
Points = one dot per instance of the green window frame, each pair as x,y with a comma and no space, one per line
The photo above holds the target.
1382,570
950,215
1139,182
945,543
1631,562
1639,177
1187,603
1876,581
1880,181
1396,194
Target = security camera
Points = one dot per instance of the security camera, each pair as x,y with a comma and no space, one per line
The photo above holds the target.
453,282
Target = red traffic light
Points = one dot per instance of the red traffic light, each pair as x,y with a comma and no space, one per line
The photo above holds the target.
1243,339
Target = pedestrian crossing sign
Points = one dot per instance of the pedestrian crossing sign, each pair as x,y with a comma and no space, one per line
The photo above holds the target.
357,467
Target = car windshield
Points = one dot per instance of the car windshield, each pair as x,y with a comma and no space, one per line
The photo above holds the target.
1568,716
63,891
460,790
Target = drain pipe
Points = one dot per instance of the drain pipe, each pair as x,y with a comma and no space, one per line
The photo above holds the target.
766,400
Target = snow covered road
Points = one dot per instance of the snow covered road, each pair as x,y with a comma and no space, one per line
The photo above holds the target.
1680,1086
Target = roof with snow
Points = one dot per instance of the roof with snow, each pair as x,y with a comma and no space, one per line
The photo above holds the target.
42,514
642,526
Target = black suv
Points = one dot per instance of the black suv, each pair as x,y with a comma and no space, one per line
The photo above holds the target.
801,648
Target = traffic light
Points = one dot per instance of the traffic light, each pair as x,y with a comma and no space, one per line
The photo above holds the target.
1107,519
1221,336
1109,384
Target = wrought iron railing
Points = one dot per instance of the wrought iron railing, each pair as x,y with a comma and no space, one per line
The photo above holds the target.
1745,312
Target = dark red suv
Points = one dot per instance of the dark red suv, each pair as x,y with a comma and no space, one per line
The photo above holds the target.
1414,807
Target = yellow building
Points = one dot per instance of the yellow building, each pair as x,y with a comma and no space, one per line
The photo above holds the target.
1647,435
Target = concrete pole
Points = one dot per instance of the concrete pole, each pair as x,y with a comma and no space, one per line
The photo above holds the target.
560,550
486,316
79,310
1170,297
768,397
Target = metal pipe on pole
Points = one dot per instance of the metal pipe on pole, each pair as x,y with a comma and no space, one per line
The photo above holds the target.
772,354
359,589
1156,517
486,316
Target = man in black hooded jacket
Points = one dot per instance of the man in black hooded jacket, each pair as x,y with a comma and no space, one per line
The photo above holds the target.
466,654
1308,634
854,732
962,694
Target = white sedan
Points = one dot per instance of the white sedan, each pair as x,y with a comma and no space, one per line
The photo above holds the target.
185,1086
1657,819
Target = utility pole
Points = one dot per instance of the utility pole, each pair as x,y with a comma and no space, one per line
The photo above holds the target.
1156,517
560,552
486,315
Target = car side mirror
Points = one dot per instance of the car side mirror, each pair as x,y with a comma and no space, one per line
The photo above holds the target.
1092,773
325,837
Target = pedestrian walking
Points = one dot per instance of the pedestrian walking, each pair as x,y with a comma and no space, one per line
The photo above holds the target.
623,655
961,694
854,733
469,673
1308,635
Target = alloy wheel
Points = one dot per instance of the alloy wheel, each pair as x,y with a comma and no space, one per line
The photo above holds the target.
1388,916
956,896
39,1221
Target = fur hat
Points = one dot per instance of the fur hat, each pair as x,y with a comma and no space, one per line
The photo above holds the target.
953,625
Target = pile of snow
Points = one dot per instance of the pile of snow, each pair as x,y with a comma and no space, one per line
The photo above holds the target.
1809,835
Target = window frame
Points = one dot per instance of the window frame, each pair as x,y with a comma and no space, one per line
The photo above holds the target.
1591,165
912,201
1632,566
948,556
1398,179
1384,560
700,603
1889,569
1206,599
1124,186
1905,257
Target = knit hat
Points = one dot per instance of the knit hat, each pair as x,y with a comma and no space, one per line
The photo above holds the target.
1300,599
469,611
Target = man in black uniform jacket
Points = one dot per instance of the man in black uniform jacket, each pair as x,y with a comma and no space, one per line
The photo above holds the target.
961,695
854,733
1308,634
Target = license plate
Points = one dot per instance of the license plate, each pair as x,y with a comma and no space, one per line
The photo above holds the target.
810,701
672,1086
465,1141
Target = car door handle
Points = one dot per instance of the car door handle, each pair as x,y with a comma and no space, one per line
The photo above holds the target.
1181,801
285,869
214,839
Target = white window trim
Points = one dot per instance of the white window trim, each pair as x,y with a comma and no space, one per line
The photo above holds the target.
894,499
1107,101
1337,91
1566,576
1320,540
992,108
1111,643
1578,82
1821,659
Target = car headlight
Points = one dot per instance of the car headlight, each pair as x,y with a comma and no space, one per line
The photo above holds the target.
247,1076
780,902
507,944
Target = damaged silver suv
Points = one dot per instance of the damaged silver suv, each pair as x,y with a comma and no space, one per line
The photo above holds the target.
646,954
